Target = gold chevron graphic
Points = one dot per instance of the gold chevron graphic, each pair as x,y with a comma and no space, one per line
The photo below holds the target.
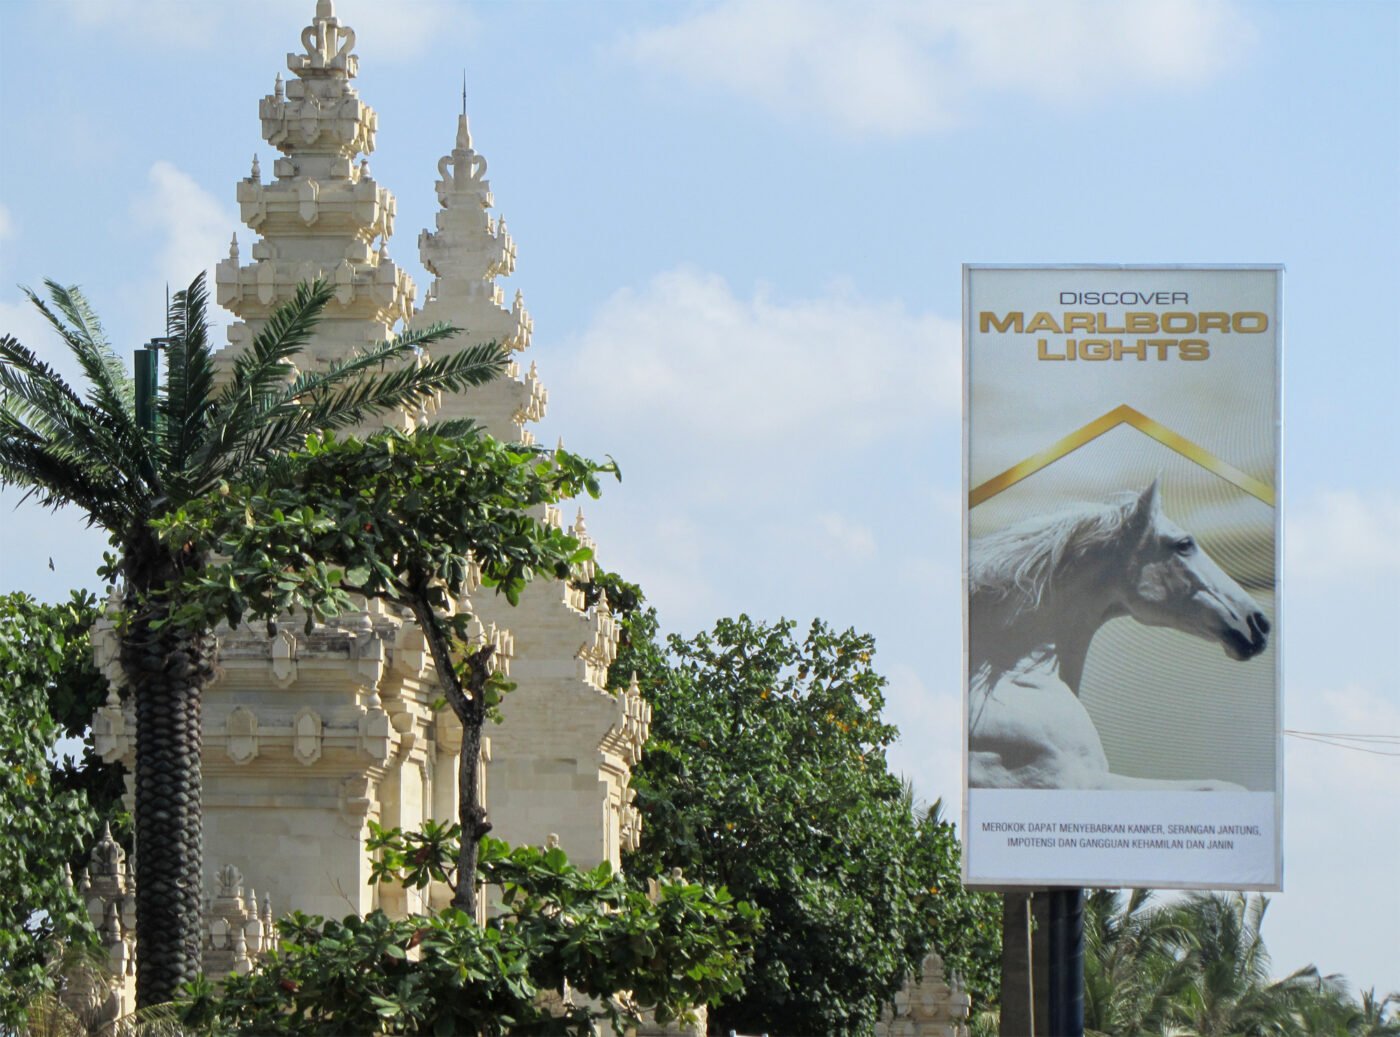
1121,415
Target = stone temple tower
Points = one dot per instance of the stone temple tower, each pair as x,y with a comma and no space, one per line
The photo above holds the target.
309,736
560,763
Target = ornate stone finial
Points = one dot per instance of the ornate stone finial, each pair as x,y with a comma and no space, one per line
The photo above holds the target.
256,175
327,44
277,90
580,526
230,881
233,248
464,130
633,688
107,855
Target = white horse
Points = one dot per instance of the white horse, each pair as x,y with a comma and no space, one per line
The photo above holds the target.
1039,593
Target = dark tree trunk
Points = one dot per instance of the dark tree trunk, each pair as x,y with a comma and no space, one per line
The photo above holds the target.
468,702
167,670
471,815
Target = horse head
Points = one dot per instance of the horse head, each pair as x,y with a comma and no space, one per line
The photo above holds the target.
1173,583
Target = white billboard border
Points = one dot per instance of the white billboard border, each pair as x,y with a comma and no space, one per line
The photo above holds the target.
999,885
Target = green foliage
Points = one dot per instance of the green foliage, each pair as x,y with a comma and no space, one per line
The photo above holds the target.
1200,966
75,690
397,516
91,451
624,598
44,827
767,773
123,469
412,519
556,925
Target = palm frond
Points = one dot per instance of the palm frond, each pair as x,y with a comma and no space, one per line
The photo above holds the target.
341,393
59,438
259,372
56,478
187,400
346,394
112,390
454,428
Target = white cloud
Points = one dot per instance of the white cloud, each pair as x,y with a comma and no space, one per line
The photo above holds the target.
907,65
690,356
1345,537
757,436
192,225
846,540
929,749
670,549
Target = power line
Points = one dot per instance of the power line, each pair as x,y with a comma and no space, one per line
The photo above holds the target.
1336,741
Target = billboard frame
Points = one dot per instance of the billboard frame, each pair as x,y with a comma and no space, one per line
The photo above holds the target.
968,270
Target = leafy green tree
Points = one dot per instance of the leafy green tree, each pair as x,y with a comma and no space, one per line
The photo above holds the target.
45,827
91,451
556,928
766,772
410,519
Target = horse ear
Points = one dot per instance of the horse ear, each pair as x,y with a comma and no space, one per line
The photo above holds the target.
1152,496
1147,506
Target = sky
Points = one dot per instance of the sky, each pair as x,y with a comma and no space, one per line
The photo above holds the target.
740,229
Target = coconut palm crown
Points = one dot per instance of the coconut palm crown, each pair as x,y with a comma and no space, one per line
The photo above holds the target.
90,451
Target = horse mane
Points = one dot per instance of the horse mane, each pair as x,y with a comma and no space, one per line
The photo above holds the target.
1015,566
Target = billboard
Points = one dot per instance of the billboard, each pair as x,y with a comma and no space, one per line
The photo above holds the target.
1121,702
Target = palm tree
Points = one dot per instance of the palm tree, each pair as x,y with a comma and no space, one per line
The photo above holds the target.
92,452
1132,971
1230,992
1380,1016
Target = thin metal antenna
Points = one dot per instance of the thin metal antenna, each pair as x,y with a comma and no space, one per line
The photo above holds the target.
464,91
167,309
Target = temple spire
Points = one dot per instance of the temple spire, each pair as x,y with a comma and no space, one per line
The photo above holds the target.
320,213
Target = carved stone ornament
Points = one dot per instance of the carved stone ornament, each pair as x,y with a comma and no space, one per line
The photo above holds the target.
241,730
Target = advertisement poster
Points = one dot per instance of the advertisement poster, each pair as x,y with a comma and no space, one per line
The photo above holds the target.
1122,703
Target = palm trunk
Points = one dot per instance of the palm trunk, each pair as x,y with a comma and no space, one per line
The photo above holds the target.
167,670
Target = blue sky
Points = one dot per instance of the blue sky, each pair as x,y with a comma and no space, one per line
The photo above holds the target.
740,228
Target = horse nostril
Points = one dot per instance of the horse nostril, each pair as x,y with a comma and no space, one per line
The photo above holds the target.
1259,623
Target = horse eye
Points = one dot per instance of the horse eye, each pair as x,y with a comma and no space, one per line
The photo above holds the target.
1185,545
